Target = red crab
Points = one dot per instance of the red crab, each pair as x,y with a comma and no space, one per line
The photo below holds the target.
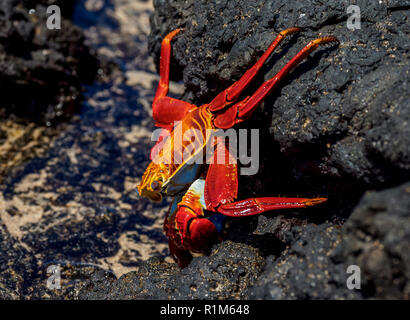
205,193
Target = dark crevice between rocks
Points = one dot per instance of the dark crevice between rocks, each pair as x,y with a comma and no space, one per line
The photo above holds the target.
398,8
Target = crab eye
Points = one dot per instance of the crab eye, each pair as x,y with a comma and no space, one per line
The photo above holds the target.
154,185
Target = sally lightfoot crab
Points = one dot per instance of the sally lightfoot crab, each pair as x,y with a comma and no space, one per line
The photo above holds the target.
205,192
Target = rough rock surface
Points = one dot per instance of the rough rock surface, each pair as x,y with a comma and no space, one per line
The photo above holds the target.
67,195
225,274
17,266
339,123
41,70
304,270
376,237
330,117
337,127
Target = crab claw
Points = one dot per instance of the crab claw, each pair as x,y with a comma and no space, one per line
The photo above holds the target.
197,235
202,235
254,206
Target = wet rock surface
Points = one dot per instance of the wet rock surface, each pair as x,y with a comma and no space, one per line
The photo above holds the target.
67,197
17,267
42,73
336,127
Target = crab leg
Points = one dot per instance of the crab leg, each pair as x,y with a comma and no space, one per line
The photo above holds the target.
233,92
166,110
246,109
221,184
254,206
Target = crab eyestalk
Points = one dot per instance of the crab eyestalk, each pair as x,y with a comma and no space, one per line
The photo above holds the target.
153,191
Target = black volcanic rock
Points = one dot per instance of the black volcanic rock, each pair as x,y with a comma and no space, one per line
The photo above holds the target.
336,127
225,274
17,267
376,238
311,263
305,269
343,113
67,192
41,70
